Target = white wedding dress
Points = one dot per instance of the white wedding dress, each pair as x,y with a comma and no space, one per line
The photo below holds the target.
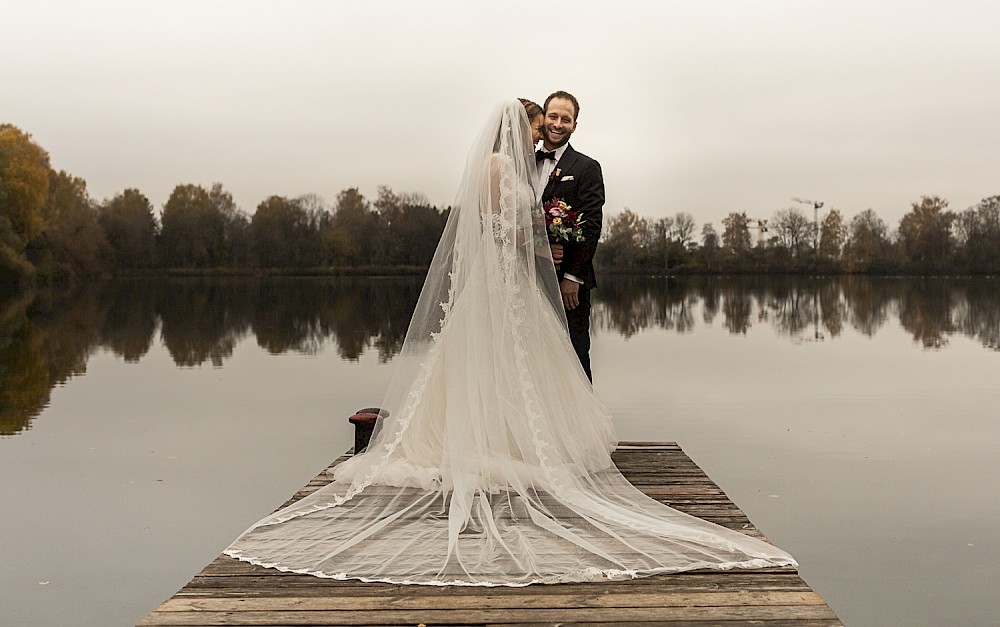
493,466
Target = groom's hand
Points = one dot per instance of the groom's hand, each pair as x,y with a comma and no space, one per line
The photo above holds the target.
557,252
570,291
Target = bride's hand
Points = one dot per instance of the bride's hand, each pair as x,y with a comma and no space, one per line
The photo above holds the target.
557,252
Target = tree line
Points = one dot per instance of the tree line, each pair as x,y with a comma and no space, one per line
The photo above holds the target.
930,238
51,230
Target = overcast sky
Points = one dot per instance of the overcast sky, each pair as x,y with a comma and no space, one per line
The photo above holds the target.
704,107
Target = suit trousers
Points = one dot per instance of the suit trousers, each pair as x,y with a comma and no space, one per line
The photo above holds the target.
578,321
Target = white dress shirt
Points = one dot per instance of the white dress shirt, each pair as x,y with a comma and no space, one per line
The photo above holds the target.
545,169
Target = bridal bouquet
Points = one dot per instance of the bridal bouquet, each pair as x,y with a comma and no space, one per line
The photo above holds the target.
562,223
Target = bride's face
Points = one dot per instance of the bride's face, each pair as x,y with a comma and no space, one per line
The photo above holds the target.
536,127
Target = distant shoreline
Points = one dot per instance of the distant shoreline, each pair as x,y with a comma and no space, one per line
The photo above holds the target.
358,271
409,271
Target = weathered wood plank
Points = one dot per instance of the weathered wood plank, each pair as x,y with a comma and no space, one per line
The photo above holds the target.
506,616
492,602
707,623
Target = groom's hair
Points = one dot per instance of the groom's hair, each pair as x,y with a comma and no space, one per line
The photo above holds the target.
566,96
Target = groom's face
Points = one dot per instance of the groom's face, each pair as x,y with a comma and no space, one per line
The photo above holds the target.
560,122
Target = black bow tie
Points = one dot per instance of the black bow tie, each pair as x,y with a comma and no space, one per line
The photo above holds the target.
541,155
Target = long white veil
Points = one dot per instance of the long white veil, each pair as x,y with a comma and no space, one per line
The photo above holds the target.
493,466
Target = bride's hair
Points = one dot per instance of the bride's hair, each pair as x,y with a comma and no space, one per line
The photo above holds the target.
531,108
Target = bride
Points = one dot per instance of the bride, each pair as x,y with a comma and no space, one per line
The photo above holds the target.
493,465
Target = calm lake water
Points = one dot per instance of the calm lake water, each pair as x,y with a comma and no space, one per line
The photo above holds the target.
145,424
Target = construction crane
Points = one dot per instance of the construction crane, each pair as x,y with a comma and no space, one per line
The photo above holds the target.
761,226
816,205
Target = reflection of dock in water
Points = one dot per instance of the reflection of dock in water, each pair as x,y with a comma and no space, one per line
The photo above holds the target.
231,592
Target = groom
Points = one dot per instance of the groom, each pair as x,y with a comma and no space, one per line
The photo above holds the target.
575,179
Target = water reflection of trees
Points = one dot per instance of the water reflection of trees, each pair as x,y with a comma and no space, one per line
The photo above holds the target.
44,341
832,308
931,310
629,304
357,314
203,320
737,308
129,319
46,338
926,310
867,304
979,313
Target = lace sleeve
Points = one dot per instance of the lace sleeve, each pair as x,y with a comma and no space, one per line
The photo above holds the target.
496,172
500,199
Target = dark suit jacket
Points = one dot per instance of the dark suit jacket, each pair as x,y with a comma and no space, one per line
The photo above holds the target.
583,192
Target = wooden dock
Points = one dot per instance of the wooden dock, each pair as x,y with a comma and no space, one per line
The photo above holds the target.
231,592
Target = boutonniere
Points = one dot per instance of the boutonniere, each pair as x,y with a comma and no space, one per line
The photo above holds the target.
555,174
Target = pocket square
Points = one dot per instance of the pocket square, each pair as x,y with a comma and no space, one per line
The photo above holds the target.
566,178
